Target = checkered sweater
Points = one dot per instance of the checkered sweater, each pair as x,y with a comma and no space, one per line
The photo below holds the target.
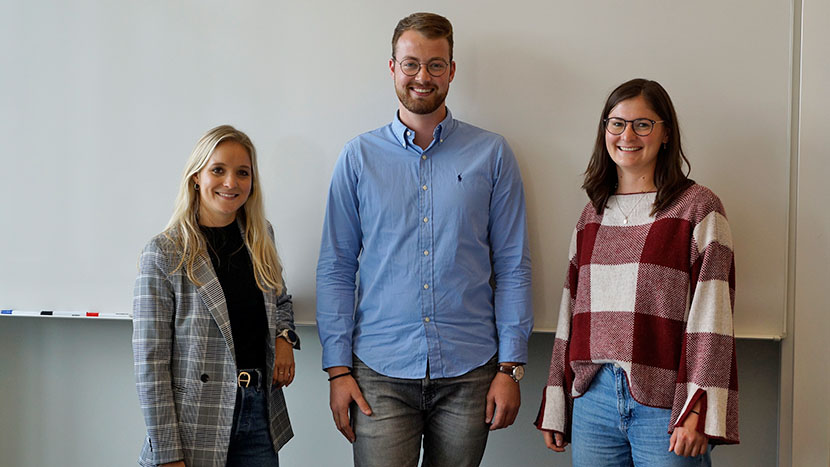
653,295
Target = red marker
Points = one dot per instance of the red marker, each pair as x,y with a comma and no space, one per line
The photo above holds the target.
89,313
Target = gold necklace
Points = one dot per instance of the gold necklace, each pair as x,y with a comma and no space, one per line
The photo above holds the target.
626,216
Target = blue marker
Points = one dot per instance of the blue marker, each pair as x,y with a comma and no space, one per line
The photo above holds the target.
5,312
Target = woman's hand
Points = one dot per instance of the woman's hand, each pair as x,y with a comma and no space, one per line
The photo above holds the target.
554,441
173,464
686,440
283,363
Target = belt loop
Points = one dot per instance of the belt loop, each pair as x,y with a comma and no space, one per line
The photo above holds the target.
259,379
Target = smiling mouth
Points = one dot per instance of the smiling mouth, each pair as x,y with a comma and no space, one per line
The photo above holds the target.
422,91
628,149
227,195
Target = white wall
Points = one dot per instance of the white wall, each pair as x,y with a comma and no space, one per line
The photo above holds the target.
101,102
64,402
805,402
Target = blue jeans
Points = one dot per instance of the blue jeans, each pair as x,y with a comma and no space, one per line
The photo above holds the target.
251,444
447,413
610,428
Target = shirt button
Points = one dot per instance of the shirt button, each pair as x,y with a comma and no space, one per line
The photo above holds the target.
426,252
424,157
426,319
426,286
442,141
424,188
408,133
426,219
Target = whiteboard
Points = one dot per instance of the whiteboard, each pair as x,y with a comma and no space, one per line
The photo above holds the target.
101,102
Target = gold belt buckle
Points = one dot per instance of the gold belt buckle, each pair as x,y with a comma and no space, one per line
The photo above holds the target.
244,377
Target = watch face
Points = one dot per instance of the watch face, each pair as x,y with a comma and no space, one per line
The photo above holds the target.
519,372
291,335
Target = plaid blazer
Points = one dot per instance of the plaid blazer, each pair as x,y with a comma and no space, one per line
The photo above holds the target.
185,361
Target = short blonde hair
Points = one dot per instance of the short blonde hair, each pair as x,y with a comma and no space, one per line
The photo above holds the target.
183,227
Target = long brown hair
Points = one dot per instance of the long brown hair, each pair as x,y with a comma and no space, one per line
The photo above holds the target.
669,178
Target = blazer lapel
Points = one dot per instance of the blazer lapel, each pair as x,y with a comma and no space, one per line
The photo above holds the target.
214,298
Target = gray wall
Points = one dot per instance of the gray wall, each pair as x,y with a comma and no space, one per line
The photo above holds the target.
67,398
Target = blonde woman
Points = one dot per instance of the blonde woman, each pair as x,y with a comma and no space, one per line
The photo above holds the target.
213,326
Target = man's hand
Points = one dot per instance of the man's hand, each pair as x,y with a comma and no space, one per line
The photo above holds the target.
283,363
342,391
686,440
503,398
173,464
554,441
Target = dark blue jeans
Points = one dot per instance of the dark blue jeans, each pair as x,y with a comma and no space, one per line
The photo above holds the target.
251,444
447,413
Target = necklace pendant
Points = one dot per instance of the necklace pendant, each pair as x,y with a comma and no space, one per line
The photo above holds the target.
625,220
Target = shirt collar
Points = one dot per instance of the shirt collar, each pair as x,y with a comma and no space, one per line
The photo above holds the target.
405,136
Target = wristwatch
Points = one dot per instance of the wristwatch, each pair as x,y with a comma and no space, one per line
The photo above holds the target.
290,336
517,372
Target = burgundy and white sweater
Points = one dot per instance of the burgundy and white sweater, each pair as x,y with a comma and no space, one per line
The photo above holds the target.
655,296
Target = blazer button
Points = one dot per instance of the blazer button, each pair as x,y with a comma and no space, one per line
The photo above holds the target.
205,378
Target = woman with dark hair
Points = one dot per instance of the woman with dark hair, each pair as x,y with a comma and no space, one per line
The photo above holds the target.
643,365
213,325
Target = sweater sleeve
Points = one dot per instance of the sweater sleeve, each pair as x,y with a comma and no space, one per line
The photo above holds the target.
555,410
708,370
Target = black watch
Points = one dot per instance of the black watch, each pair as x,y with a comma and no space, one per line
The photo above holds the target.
517,372
290,336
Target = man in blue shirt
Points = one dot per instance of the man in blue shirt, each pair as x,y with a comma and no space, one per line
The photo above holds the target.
430,212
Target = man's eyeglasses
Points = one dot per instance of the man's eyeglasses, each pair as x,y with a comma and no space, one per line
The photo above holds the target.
436,67
641,126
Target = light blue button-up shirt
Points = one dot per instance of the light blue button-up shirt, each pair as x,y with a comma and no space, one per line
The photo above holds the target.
426,229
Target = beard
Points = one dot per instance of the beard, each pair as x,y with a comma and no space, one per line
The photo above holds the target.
421,106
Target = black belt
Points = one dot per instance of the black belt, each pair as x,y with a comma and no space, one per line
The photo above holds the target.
251,378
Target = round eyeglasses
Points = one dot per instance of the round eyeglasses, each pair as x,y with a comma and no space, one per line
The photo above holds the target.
435,67
641,126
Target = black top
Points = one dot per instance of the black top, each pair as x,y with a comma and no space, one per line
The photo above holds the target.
246,305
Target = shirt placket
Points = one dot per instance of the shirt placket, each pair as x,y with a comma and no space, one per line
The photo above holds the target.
425,253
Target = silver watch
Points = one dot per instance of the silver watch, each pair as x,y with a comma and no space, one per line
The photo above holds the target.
517,372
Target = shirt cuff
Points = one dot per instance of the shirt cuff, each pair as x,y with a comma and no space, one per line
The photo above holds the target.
337,356
513,350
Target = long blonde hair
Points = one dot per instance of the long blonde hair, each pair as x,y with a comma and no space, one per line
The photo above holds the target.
183,228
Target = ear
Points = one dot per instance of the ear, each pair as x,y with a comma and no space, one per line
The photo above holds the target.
195,177
452,70
392,67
